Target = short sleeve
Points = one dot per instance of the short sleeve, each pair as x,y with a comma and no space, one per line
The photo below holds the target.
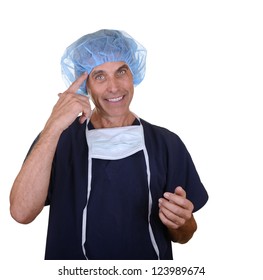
182,172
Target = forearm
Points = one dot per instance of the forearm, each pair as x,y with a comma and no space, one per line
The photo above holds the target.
184,233
29,191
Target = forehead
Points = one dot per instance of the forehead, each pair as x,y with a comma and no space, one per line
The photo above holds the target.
109,66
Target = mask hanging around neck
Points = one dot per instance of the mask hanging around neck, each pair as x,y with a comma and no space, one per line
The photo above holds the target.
113,144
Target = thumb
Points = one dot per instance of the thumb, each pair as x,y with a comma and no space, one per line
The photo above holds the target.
180,191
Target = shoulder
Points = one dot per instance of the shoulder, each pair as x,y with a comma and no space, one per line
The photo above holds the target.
160,134
162,131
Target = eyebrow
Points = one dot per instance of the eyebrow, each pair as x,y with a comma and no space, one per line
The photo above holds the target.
96,72
123,66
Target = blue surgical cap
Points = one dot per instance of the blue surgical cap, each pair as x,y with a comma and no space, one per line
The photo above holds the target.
99,47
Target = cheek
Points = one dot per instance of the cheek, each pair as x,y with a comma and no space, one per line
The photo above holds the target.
90,86
131,89
95,99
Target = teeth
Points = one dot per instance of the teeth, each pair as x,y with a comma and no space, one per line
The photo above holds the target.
115,99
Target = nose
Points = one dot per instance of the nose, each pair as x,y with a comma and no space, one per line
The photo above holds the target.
113,84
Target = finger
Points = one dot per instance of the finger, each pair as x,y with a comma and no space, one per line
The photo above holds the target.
179,200
174,209
180,191
176,199
171,216
167,222
78,82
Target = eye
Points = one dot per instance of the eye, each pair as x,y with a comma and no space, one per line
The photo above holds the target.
99,77
122,71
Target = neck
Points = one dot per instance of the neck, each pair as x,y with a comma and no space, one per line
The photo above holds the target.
100,121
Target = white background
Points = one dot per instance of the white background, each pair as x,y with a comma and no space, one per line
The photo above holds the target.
203,81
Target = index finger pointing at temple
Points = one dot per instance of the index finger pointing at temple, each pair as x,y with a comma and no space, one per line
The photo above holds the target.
78,82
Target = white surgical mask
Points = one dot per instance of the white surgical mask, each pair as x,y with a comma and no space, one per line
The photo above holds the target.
113,144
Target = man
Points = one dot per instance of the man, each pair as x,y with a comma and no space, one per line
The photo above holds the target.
118,187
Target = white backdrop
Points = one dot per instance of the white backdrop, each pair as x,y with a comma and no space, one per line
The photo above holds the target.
203,81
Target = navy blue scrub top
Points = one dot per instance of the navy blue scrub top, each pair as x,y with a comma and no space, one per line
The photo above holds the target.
117,225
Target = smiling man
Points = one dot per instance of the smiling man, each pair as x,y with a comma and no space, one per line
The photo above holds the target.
111,89
118,187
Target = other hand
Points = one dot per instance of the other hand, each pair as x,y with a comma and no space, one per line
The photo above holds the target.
175,209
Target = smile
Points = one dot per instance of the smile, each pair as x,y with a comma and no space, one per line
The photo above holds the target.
116,99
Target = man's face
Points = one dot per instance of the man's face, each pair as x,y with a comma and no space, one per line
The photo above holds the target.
111,88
